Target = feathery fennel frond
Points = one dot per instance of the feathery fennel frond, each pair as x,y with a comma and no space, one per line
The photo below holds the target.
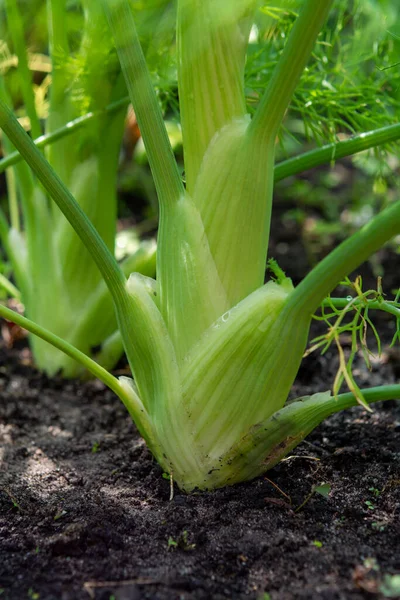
338,90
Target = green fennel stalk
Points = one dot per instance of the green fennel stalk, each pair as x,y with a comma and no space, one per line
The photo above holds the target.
213,351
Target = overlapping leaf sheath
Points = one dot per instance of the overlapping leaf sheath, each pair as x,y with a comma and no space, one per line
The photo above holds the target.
219,350
236,376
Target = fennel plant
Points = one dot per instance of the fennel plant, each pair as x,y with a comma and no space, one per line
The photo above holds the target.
213,350
57,281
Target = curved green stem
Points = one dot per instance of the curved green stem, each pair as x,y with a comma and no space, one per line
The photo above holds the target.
287,168
318,284
375,394
165,171
389,307
67,129
89,364
335,151
9,287
121,388
268,442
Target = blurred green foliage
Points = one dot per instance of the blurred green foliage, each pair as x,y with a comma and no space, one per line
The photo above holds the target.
351,85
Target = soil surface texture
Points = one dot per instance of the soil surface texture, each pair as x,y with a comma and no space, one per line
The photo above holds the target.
85,512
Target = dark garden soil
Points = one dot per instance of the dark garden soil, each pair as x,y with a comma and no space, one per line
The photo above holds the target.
85,511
